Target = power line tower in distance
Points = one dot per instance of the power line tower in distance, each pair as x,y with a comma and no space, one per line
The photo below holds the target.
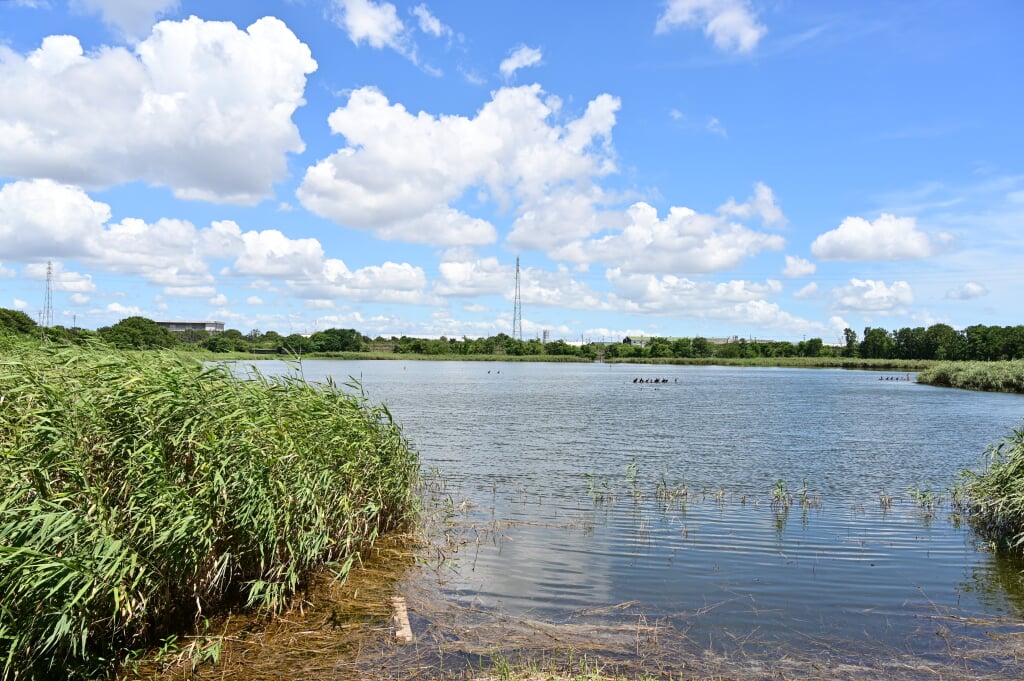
47,320
517,312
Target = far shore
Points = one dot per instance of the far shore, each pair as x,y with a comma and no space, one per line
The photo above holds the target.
792,362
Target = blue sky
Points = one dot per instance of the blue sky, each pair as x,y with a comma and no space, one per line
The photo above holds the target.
764,169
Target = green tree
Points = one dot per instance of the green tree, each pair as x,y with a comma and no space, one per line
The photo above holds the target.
218,344
910,343
784,349
337,340
16,321
239,343
659,347
945,342
560,347
877,344
296,344
730,350
682,347
138,333
850,338
810,348
702,347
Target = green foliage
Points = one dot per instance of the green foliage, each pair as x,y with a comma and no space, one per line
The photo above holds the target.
1005,377
218,344
16,321
994,498
811,348
337,340
138,333
877,344
296,344
850,339
75,335
138,491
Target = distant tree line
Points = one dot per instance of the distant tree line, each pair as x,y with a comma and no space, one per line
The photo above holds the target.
936,342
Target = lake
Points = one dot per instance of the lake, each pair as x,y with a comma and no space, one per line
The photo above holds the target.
589,496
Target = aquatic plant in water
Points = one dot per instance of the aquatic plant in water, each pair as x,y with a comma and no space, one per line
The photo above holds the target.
994,498
139,491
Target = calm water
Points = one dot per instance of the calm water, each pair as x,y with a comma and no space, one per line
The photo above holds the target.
531,446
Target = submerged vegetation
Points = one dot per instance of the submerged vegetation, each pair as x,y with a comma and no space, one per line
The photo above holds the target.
141,492
989,376
994,498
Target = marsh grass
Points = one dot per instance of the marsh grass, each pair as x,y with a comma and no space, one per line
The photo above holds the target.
141,491
987,376
994,498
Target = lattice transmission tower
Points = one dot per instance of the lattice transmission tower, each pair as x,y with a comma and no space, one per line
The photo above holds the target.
47,320
517,312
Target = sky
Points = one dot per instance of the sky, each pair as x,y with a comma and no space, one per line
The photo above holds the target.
767,169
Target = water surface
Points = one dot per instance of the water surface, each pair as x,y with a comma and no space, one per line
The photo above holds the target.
567,464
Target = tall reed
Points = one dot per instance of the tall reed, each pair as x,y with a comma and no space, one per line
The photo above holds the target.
138,491
988,376
994,498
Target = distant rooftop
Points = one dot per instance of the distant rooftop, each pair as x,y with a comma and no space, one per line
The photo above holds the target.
209,327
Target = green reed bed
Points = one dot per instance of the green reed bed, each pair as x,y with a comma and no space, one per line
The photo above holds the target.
142,491
994,498
1005,377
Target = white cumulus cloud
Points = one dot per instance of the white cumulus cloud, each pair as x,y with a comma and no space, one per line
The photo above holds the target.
520,58
400,172
761,205
271,254
41,219
44,219
683,242
474,277
798,267
869,295
564,215
123,310
731,24
199,106
167,252
387,283
887,238
376,23
72,282
735,301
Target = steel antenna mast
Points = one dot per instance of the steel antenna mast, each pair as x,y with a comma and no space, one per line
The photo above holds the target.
517,312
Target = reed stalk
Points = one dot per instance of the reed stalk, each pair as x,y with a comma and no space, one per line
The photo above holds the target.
994,497
987,376
143,490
